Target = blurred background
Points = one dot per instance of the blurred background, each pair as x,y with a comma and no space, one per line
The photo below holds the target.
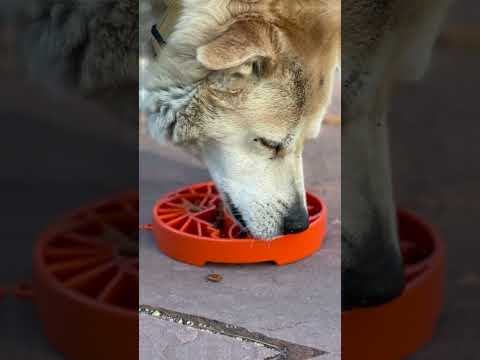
434,128
60,151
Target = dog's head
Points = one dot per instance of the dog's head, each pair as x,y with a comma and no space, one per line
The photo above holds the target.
263,94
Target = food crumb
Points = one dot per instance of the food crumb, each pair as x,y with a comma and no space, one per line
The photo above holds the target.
214,277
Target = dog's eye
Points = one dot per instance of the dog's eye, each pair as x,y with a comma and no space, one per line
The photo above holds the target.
269,144
257,68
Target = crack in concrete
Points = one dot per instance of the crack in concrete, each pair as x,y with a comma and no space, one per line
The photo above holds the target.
283,327
286,350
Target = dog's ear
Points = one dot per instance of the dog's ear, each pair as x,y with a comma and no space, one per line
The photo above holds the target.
243,42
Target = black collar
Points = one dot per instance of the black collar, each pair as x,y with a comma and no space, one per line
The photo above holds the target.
156,34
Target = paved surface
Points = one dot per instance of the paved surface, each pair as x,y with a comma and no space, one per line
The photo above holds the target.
299,303
163,340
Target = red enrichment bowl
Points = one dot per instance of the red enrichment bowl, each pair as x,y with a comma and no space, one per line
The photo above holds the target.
395,330
85,281
184,228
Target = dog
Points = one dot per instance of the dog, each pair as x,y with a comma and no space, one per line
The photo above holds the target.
384,42
243,86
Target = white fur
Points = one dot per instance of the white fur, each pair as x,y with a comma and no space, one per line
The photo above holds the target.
162,106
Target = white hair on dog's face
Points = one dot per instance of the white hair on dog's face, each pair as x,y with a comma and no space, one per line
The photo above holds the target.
260,192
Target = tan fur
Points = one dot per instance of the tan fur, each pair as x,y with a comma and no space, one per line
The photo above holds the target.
262,70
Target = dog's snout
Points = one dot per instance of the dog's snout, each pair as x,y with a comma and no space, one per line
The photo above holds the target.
296,220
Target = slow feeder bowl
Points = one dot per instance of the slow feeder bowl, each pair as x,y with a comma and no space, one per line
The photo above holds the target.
184,225
85,281
397,329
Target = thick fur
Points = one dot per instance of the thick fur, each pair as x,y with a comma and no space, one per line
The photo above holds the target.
163,105
384,42
88,45
86,48
241,76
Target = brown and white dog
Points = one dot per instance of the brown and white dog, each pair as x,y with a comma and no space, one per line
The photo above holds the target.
243,85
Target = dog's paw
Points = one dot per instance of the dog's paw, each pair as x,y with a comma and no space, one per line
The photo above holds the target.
372,269
86,45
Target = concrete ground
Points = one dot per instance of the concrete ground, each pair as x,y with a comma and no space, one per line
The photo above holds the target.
166,340
298,303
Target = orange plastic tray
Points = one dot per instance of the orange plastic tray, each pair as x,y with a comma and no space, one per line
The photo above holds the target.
184,228
85,281
397,329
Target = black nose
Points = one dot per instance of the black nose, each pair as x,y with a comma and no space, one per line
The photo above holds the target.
296,220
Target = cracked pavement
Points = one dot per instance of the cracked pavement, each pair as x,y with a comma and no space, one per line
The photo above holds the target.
164,340
297,303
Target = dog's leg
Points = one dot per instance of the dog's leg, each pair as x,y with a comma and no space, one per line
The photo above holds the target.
372,271
381,47
419,26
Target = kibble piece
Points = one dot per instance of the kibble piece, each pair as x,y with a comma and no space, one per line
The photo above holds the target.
214,277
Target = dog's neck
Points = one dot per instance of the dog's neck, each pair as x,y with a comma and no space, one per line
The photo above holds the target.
163,106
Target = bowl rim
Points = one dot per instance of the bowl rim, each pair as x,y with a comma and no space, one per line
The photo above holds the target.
316,220
40,269
428,263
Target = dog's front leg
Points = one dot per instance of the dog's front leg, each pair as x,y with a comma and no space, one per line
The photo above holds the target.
372,270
